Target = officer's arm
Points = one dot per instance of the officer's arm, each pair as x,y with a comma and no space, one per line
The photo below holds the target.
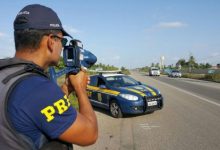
84,130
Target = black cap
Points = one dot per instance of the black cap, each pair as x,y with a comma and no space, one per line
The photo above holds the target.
38,17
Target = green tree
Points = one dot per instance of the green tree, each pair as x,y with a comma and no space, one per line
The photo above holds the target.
152,65
207,65
144,69
192,62
125,71
181,62
60,64
122,68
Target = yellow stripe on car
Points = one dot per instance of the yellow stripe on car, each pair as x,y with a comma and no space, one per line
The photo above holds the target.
89,87
106,91
136,91
152,91
112,92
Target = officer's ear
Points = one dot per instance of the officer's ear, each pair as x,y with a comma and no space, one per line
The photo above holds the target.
50,43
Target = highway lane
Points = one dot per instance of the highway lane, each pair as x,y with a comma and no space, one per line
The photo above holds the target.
205,89
187,121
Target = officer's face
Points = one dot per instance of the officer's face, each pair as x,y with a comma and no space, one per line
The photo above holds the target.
57,47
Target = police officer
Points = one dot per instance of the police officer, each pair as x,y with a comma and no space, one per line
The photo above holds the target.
37,108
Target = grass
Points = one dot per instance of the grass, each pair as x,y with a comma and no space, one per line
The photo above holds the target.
213,77
74,101
193,76
72,97
208,77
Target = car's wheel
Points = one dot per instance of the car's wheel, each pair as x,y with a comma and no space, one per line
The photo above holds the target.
115,110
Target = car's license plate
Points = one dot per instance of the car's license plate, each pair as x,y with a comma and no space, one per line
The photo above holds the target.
152,103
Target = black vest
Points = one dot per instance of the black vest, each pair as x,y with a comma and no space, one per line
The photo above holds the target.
13,71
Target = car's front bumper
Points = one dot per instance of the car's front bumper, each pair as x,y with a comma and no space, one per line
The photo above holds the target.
155,73
176,75
141,106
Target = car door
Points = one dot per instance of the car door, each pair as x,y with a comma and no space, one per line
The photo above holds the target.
92,89
103,93
96,91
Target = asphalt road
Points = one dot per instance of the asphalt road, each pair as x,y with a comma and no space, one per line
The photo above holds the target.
190,120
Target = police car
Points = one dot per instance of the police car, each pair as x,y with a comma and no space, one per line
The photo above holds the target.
121,94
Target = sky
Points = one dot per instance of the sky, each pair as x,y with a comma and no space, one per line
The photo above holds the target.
131,33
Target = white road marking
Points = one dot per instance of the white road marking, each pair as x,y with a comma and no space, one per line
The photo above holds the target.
146,126
192,94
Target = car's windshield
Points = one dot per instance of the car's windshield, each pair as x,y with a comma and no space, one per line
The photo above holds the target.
121,81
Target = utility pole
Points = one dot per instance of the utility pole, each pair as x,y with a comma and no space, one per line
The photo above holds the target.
162,58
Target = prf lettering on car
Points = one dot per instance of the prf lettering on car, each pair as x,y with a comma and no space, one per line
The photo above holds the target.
61,106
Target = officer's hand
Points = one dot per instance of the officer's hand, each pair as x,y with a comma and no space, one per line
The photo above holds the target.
79,81
67,87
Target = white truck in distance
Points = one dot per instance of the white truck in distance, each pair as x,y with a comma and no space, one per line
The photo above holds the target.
154,71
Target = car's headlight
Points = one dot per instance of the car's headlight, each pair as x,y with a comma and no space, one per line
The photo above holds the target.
129,97
159,92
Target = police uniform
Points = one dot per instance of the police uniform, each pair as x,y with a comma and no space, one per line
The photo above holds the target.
36,106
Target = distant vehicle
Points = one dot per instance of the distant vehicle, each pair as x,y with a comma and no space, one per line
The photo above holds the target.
154,71
121,94
175,73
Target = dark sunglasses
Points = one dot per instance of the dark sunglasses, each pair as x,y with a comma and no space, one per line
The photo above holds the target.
63,40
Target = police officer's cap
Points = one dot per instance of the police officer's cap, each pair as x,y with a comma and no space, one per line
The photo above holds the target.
36,16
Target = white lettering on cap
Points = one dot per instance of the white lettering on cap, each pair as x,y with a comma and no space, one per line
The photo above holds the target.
54,25
24,13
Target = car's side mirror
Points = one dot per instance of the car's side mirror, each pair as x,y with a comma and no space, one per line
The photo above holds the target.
102,86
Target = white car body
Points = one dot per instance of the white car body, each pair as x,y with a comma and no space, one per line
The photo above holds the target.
175,73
